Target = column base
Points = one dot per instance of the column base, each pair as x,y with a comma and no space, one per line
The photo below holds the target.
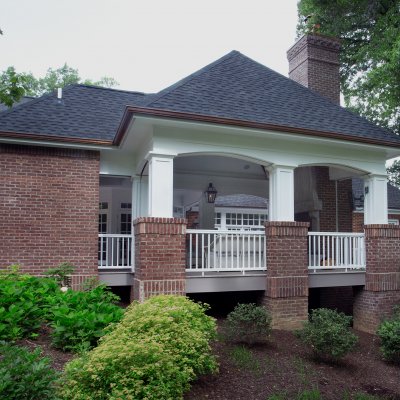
371,308
288,313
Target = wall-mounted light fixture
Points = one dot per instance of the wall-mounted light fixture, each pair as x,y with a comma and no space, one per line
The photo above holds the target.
210,193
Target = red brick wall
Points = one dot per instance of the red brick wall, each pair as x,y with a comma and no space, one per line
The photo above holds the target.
192,219
314,63
160,256
286,295
358,222
326,190
49,208
382,278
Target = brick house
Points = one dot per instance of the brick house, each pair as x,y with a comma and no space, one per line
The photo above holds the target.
115,182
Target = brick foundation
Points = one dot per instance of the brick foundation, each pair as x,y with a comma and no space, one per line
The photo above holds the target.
375,301
160,256
286,295
49,209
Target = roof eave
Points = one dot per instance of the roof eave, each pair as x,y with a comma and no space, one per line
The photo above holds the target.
56,139
130,112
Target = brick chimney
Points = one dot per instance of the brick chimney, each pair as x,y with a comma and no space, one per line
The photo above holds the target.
314,63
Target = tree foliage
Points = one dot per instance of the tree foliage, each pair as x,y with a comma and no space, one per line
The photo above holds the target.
13,86
370,57
394,173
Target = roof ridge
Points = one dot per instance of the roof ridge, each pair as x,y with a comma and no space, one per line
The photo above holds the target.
108,89
190,77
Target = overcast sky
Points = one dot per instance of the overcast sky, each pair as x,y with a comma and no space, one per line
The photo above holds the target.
144,45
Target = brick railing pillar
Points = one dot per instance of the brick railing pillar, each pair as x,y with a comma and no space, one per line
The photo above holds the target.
381,292
159,257
286,295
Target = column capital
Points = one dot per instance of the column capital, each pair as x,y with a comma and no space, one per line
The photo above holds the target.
273,167
156,154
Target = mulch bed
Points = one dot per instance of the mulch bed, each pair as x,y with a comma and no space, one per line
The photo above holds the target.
282,366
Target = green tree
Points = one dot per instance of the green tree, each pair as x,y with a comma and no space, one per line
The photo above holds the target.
370,57
394,173
13,86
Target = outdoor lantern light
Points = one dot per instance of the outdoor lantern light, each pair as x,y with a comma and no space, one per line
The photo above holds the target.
211,193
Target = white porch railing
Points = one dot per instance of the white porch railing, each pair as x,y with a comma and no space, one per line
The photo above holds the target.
115,251
211,250
336,251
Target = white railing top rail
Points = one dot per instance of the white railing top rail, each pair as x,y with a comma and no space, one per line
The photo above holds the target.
115,235
347,234
225,232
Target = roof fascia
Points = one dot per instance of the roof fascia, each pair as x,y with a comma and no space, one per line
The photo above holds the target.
130,113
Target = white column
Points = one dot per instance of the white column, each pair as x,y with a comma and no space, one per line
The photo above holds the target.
161,185
375,201
281,193
139,196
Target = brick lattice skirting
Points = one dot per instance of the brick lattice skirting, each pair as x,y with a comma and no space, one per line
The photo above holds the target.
286,296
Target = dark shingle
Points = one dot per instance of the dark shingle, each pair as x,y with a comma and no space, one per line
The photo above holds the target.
239,88
87,112
241,201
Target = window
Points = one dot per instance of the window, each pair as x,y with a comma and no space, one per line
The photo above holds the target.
393,221
103,227
240,219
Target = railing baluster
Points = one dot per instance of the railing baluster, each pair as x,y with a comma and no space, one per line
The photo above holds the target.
338,251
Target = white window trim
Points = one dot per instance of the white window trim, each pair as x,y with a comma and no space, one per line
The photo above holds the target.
237,210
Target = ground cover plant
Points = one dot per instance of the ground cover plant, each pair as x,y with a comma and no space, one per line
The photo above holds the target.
25,374
328,333
23,303
77,318
389,333
157,349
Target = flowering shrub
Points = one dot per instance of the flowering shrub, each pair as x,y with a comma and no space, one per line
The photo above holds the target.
153,353
389,333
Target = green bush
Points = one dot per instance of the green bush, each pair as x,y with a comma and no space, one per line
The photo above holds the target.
25,375
248,323
328,333
23,304
153,353
78,319
389,333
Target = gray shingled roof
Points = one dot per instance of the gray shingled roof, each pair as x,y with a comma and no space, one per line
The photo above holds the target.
86,112
237,87
234,87
241,200
393,194
23,100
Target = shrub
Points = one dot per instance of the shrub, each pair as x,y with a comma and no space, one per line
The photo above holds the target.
25,375
23,304
79,319
328,333
62,274
248,323
153,353
389,333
